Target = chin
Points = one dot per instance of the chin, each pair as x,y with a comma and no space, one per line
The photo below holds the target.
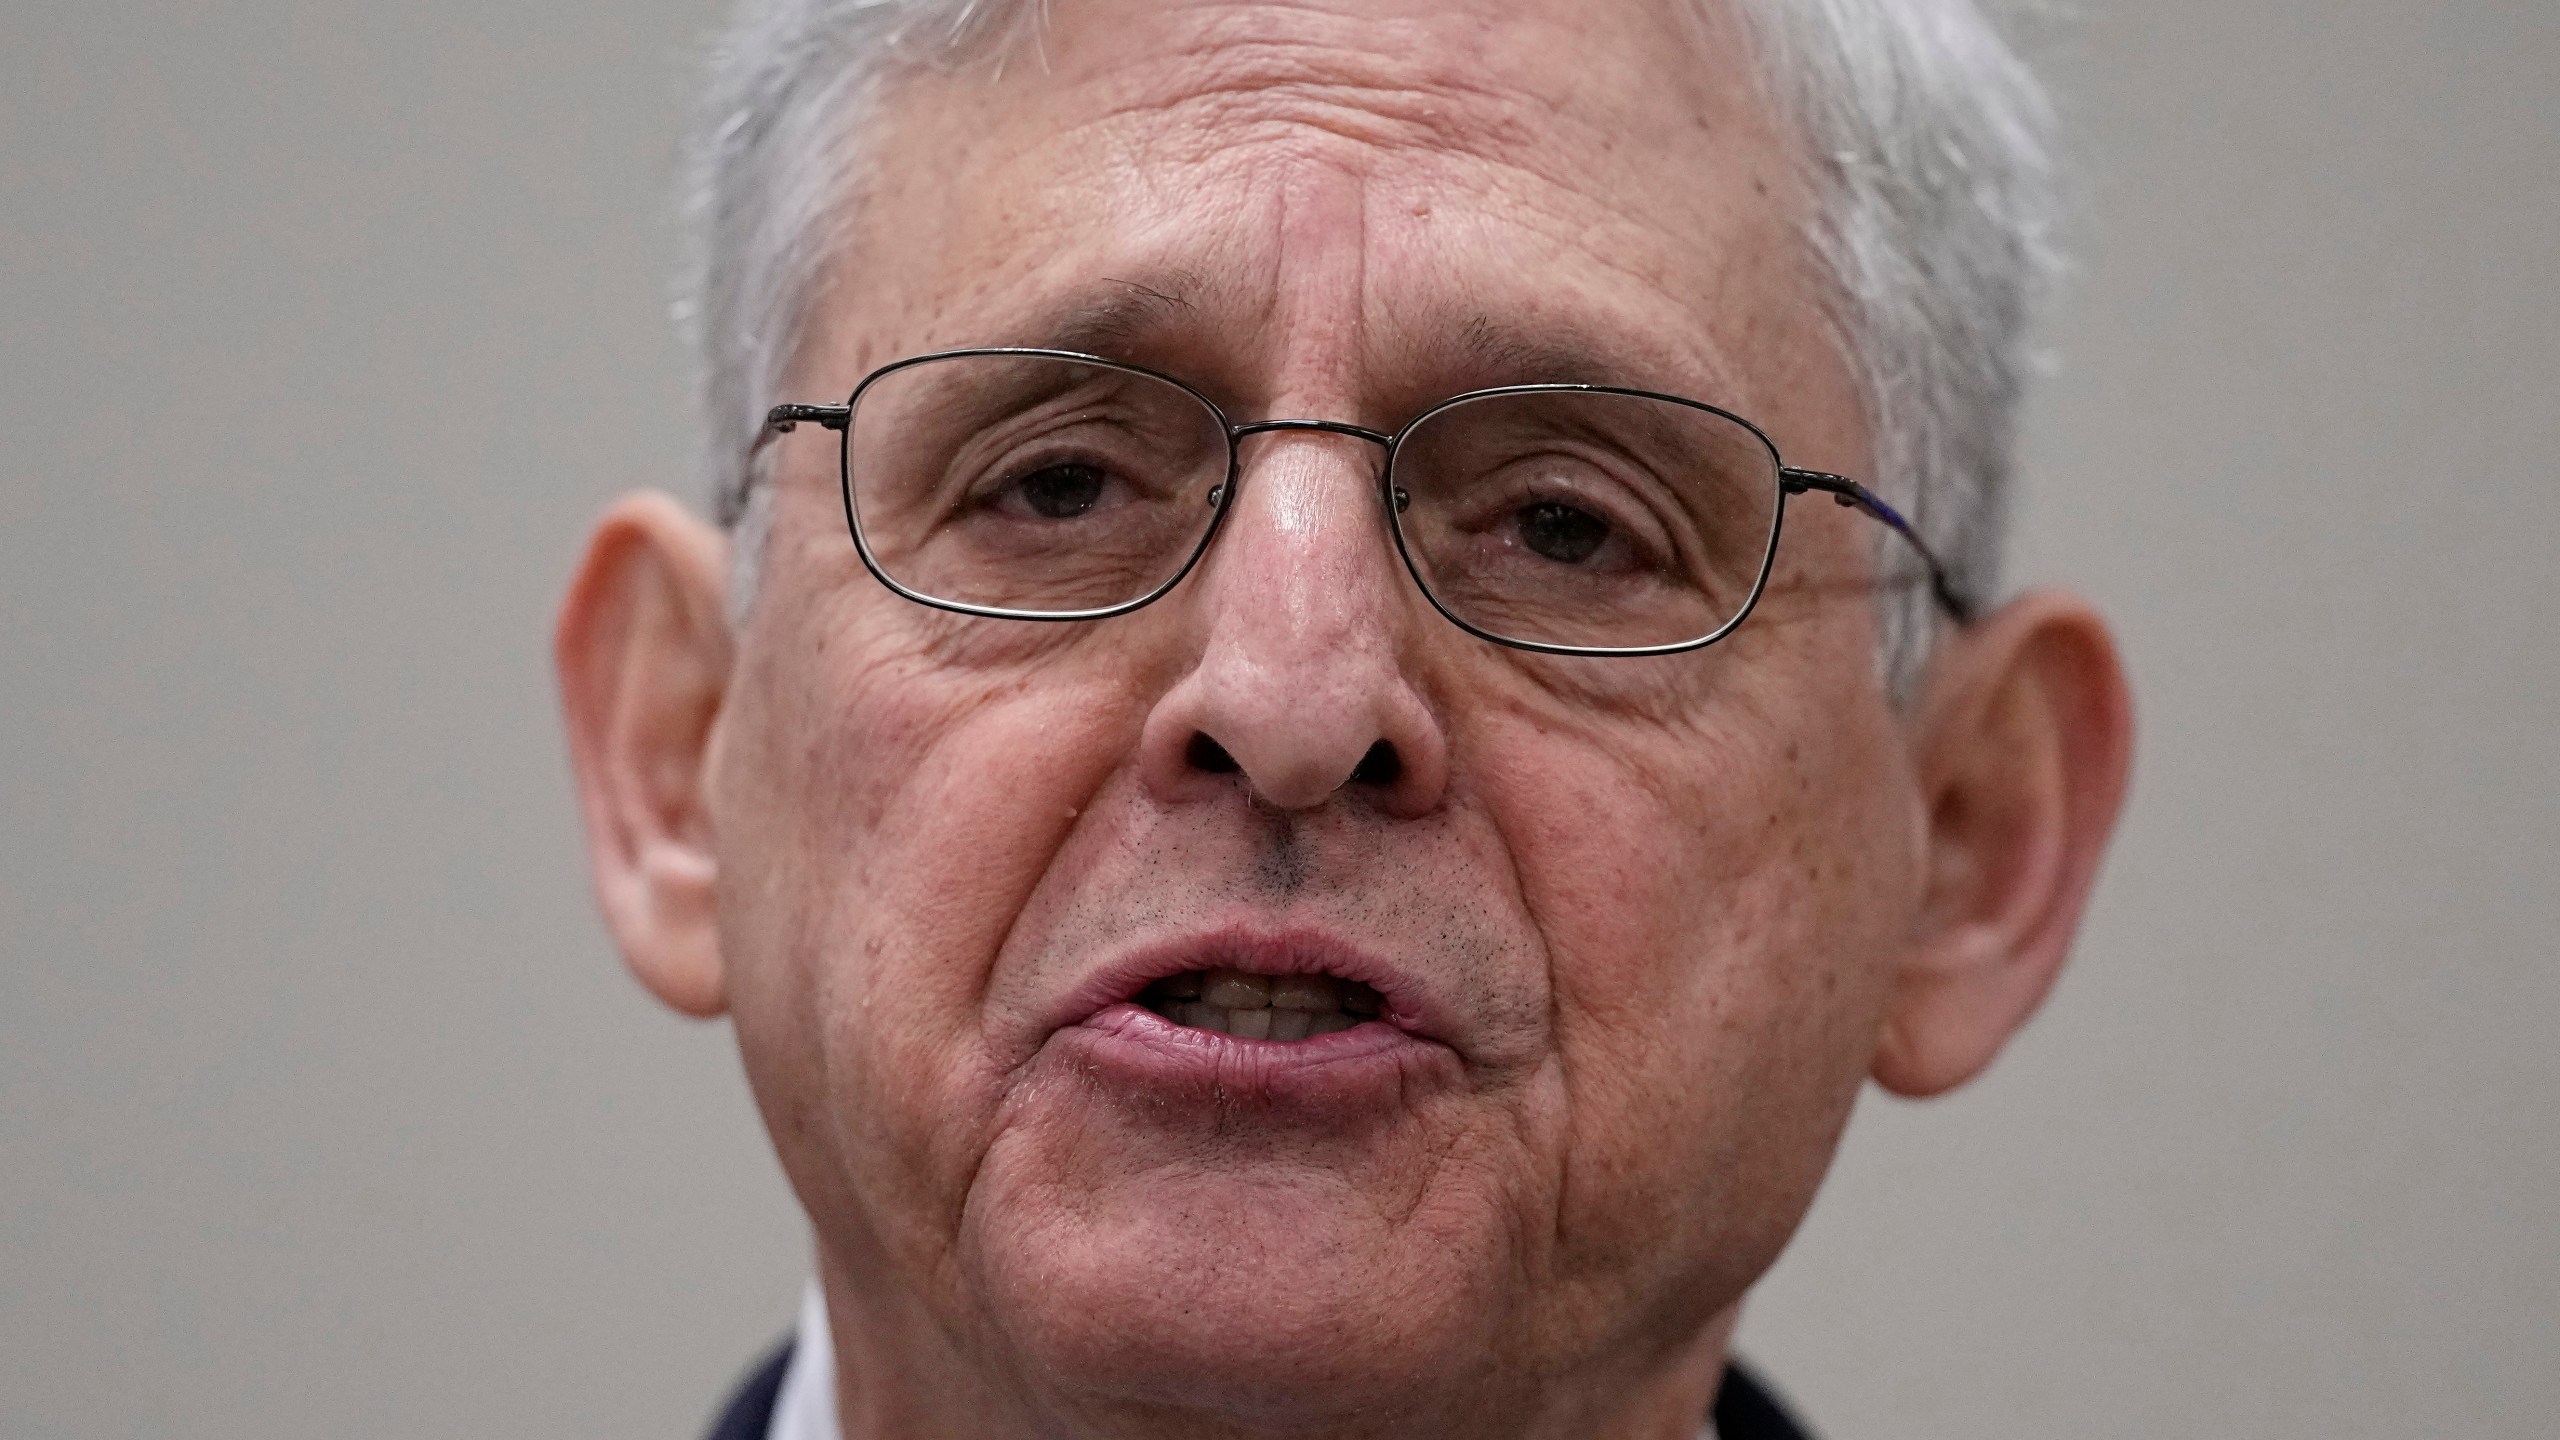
1293,1299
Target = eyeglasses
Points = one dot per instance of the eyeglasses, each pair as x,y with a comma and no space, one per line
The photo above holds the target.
1026,484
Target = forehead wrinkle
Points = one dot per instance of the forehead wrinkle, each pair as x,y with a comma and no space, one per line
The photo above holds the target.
1245,72
1256,89
1288,87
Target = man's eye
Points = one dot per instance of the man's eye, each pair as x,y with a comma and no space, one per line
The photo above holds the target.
1561,532
1061,492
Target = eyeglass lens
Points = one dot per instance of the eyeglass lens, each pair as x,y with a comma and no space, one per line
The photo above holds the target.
1042,485
1031,483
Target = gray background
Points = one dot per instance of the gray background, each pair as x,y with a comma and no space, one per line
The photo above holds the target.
326,1110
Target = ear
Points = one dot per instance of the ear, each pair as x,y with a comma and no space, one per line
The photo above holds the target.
2022,745
643,652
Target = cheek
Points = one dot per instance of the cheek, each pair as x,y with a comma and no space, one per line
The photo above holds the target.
889,812
1716,908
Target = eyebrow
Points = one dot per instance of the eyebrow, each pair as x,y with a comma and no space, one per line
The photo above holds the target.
1137,319
1118,319
1486,352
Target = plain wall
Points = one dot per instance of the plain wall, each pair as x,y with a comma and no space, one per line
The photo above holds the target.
325,1108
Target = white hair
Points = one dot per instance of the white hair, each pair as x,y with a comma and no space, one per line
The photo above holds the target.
1926,138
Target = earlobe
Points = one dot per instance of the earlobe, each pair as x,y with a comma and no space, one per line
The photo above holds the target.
2022,746
643,653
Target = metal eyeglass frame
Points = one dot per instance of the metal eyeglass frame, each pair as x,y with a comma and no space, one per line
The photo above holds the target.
1792,481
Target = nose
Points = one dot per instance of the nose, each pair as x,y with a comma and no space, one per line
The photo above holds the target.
1304,687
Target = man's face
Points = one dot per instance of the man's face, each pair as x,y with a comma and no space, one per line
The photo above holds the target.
1628,920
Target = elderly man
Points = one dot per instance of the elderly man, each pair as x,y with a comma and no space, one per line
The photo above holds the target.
1289,850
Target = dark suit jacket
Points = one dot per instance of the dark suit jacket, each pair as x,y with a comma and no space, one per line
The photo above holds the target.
1744,1410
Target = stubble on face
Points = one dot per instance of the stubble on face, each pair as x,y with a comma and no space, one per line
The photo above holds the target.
1651,890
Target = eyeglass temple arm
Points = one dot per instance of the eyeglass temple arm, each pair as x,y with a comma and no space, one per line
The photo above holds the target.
1848,492
783,419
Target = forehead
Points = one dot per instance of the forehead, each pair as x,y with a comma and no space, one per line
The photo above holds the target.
1361,199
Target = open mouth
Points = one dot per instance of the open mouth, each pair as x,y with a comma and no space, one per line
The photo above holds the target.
1262,1007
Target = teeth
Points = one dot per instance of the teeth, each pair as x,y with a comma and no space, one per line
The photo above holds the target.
1236,990
1306,992
1285,1008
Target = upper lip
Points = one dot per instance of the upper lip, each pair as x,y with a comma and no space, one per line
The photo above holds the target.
1406,1002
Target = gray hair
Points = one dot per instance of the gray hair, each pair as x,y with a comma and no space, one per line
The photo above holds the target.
1926,137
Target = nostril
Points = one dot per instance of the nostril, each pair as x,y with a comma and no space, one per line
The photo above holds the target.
1380,766
1208,755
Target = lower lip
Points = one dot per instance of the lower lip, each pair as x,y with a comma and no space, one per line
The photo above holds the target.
1370,1065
